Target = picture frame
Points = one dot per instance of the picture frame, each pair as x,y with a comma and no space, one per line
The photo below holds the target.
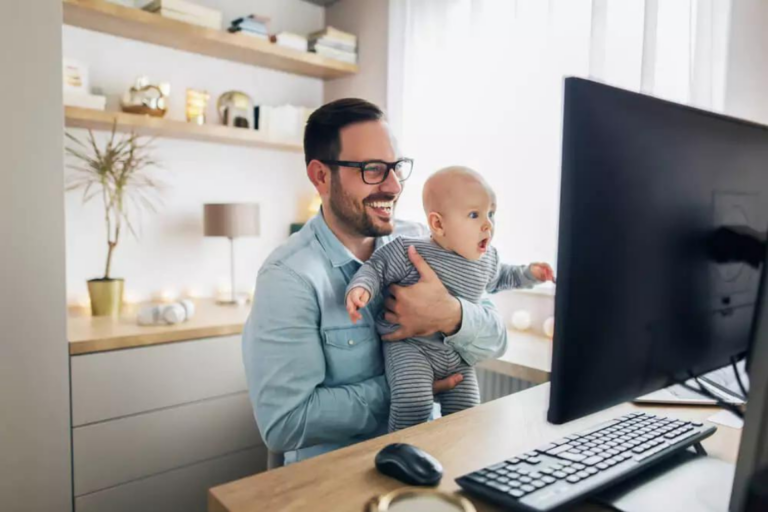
75,77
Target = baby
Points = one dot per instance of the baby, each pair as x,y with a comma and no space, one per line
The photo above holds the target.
460,208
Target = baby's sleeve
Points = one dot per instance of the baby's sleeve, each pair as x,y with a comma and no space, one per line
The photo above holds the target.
508,277
388,265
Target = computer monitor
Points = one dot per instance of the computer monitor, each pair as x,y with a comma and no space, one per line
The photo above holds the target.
640,302
753,450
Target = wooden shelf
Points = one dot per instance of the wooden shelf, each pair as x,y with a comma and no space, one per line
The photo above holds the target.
160,127
117,20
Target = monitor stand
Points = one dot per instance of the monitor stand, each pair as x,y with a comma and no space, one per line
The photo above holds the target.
690,481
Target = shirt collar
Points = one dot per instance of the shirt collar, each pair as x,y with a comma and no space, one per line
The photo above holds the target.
334,249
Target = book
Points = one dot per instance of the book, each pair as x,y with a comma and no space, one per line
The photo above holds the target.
251,18
181,10
250,33
252,26
290,40
290,36
333,53
182,7
333,33
333,43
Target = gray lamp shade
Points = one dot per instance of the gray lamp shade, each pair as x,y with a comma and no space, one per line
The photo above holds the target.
231,220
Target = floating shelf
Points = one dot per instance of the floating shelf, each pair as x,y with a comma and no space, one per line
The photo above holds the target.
117,20
160,127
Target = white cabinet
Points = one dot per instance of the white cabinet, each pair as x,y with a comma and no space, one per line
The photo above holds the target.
180,490
120,383
155,427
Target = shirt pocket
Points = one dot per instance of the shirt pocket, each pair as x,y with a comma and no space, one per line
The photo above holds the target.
352,354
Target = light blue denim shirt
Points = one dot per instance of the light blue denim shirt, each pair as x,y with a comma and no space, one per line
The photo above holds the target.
316,380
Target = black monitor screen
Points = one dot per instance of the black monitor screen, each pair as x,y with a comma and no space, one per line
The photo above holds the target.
640,302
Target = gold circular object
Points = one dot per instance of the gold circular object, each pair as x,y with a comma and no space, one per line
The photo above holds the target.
415,499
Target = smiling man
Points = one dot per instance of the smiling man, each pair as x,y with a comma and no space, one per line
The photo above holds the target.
316,380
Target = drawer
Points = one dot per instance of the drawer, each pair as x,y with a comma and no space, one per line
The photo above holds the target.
180,490
114,452
123,382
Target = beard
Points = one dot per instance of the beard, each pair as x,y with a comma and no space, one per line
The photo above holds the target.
355,215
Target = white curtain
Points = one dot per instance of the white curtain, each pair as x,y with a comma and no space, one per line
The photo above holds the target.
479,83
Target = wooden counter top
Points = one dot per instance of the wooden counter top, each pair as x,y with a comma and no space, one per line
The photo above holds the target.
528,356
344,480
89,334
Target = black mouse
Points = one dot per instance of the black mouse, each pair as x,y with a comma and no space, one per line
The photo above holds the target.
409,464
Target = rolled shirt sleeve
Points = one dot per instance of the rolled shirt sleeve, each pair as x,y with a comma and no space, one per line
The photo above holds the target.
482,335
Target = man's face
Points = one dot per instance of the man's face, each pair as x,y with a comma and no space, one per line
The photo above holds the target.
367,210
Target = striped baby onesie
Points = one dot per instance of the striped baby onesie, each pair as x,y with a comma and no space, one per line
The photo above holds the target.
414,364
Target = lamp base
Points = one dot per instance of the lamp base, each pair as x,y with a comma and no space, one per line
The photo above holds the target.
239,300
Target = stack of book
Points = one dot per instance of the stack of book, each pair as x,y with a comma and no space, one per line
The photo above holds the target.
181,10
335,44
251,25
290,40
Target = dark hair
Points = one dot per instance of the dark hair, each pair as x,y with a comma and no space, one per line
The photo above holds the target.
321,135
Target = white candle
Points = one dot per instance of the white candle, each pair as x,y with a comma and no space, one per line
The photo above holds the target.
521,320
549,327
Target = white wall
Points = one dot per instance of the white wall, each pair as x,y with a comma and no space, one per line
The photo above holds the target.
35,465
172,253
369,20
747,76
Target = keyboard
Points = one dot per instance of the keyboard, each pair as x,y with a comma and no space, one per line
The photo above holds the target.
570,469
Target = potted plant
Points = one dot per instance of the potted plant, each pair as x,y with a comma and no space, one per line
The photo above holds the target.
115,173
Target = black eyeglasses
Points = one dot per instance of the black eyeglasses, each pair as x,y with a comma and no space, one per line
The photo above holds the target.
374,172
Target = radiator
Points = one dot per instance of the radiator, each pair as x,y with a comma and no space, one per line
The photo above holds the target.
496,385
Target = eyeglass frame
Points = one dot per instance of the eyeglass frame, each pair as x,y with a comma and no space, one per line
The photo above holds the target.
361,166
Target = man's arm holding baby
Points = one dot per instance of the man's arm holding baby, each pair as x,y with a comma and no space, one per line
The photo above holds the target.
390,264
476,331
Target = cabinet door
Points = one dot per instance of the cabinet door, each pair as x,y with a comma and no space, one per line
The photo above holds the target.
114,452
124,382
180,490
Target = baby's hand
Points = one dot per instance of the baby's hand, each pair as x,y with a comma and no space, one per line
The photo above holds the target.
357,298
542,272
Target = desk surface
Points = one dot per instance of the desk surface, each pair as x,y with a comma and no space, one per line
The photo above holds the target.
346,479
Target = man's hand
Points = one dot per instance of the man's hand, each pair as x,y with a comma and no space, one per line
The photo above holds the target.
357,298
424,308
447,384
542,272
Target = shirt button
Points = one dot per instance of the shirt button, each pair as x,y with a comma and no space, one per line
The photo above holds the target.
351,342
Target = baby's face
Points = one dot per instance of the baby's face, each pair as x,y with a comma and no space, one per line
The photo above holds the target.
469,221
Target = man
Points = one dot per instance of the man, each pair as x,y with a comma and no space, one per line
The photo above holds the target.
317,381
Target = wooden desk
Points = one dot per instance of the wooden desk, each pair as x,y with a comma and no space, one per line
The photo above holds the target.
346,479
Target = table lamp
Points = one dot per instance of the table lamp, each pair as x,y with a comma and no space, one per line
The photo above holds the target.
232,221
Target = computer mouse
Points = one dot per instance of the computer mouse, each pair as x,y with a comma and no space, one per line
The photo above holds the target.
409,464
